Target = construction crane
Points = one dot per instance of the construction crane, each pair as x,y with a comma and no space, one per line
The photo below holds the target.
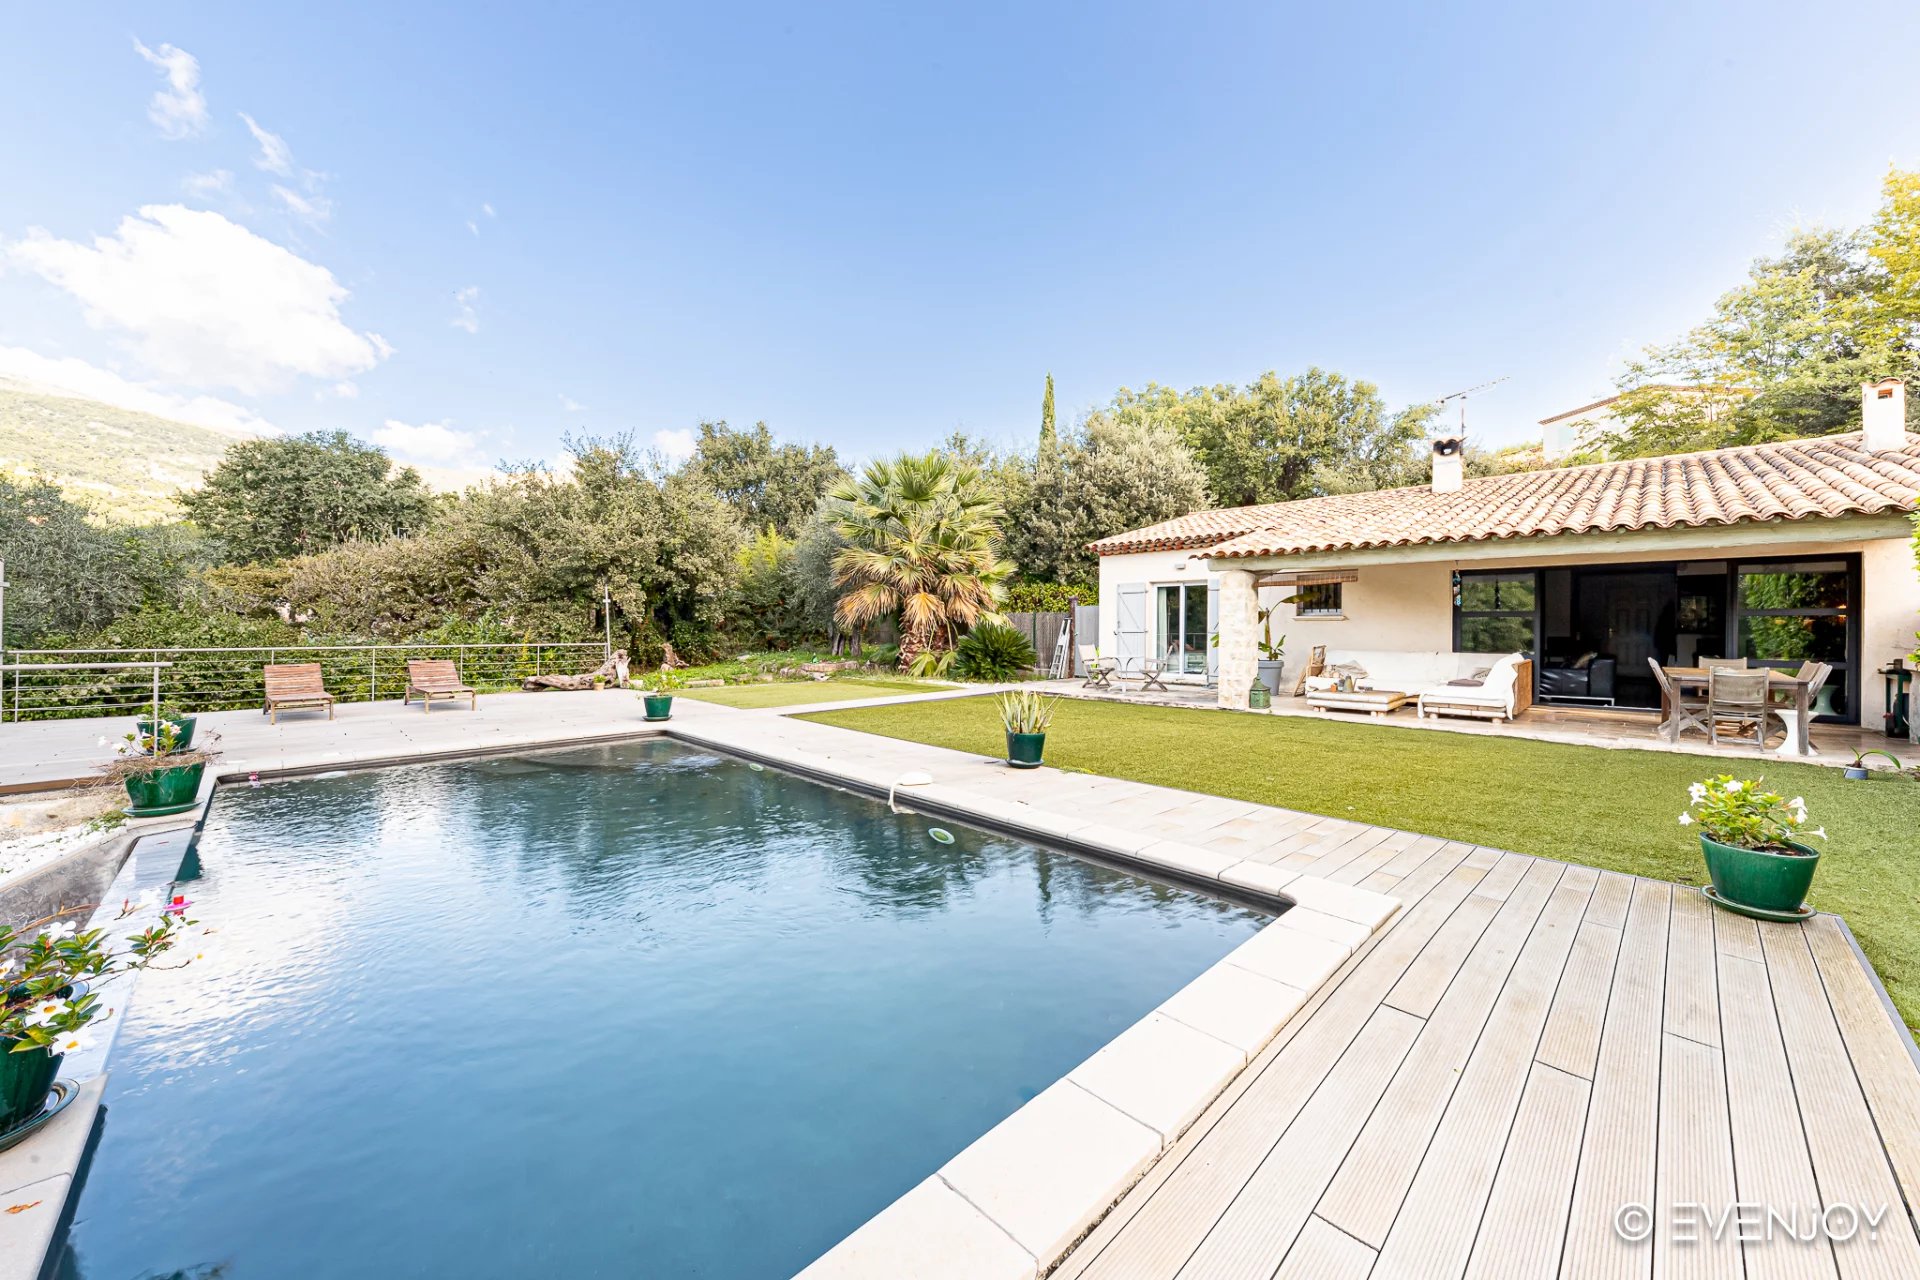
1461,396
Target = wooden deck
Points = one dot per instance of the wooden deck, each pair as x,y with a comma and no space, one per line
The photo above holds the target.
1529,1047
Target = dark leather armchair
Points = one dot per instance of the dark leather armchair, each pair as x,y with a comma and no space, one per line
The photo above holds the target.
1595,680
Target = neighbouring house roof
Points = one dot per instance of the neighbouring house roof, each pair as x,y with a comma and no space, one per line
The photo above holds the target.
1789,480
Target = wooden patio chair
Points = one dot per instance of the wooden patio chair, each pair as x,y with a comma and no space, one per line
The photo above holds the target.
1742,699
1099,670
1684,712
294,686
436,678
1723,664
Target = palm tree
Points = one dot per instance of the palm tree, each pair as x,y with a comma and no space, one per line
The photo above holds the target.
924,545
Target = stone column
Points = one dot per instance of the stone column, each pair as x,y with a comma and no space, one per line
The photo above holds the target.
1239,637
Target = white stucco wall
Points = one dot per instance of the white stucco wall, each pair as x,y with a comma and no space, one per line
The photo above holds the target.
1889,616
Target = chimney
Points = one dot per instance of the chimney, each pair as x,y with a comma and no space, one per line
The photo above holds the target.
1449,463
1883,414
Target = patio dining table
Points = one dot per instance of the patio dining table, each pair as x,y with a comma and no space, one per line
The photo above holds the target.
1782,686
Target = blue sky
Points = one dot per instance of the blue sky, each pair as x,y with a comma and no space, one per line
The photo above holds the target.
872,226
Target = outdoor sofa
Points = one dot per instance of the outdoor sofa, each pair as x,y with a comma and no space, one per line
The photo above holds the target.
1489,686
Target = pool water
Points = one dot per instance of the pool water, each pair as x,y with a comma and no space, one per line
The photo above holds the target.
637,1010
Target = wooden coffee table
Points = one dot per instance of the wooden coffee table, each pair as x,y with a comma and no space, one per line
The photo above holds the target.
1375,702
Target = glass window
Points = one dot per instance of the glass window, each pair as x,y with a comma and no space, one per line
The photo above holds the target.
1813,586
1493,612
1320,598
1496,635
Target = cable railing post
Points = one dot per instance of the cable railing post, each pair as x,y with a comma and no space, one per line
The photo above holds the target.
373,672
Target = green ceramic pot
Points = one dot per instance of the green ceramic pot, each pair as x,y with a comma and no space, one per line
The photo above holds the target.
25,1080
659,706
164,791
1758,879
182,728
1025,749
1259,697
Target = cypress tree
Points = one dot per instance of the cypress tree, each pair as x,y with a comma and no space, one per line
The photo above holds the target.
1046,414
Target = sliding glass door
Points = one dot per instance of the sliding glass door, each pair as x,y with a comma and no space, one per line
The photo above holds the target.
1786,612
1180,630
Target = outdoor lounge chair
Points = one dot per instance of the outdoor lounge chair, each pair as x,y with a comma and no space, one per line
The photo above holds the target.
294,687
436,678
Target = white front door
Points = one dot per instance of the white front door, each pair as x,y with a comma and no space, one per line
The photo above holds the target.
1181,633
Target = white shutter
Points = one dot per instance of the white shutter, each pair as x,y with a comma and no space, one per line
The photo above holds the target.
1213,631
1130,625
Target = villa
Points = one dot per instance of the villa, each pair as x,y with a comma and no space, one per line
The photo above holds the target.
1784,553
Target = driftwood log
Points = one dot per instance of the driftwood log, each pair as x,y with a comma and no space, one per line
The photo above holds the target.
613,671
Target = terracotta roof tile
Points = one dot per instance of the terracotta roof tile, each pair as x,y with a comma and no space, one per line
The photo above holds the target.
1788,480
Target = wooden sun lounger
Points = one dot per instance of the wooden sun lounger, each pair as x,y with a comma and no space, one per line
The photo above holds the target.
436,678
295,687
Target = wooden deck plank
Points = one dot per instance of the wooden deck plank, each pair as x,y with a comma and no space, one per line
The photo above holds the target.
1617,1158
1324,1252
1525,1222
1275,1202
1737,936
1347,850
1611,898
1695,1164
1771,1163
1366,1193
1693,1001
1415,889
1849,1161
1161,1230
1377,857
1571,1041
1433,1233
1877,1047
1416,855
1425,981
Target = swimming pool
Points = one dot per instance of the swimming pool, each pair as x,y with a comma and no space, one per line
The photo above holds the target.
638,1010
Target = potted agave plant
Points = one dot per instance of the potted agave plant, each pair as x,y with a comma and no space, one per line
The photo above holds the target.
161,776
1755,845
658,694
170,713
50,976
1026,715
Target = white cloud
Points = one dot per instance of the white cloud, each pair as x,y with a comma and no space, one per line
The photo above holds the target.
180,109
212,183
571,405
275,155
205,302
468,315
316,208
674,444
487,209
473,226
436,442
73,377
347,390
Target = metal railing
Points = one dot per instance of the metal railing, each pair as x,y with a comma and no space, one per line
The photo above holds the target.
52,684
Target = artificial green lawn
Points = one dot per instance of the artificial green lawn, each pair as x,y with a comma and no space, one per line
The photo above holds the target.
793,693
1616,809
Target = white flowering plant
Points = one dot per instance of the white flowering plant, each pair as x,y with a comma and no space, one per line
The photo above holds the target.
49,982
1737,812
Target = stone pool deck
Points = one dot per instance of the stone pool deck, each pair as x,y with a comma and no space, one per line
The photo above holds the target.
1475,1080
